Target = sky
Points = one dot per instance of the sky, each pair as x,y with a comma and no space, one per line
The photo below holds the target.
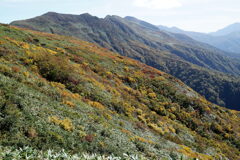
190,15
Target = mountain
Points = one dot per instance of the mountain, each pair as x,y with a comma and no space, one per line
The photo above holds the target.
233,28
227,39
202,67
172,29
59,92
114,32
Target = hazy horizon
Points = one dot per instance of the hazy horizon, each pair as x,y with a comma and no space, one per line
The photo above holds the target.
196,15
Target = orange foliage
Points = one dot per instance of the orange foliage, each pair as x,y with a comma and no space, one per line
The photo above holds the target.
15,69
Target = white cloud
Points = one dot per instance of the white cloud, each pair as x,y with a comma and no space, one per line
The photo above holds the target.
158,4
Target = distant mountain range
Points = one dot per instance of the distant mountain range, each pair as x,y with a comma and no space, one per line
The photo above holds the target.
227,39
204,68
233,28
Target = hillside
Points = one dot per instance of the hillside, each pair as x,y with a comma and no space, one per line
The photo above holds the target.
226,39
62,93
233,28
196,64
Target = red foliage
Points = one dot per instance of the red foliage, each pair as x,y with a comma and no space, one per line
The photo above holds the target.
89,138
15,69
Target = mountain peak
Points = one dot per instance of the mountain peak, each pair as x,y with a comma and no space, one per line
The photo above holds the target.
86,14
50,13
142,23
112,17
130,18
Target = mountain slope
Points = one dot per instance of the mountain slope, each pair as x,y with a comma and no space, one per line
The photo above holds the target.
227,39
62,93
172,53
233,28
114,32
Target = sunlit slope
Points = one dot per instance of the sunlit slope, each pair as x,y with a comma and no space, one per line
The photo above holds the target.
58,92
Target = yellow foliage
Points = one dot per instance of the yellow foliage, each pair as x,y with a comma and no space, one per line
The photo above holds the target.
160,124
26,74
57,136
96,105
126,69
58,85
37,48
152,95
102,144
129,109
227,136
143,91
130,79
188,152
207,109
160,78
139,111
82,134
109,74
137,138
13,41
171,129
97,83
69,103
142,118
121,123
4,68
51,51
66,123
161,108
34,68
28,53
28,61
85,64
65,93
114,91
25,46
126,131
60,50
75,96
128,89
107,116
138,74
156,128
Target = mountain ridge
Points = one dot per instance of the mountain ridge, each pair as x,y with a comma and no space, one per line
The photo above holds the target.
173,53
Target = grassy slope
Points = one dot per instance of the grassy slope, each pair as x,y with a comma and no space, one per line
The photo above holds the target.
180,56
58,92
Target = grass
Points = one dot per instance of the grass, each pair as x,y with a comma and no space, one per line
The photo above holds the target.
61,93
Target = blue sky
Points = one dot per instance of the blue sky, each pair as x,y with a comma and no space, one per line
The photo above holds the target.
193,15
